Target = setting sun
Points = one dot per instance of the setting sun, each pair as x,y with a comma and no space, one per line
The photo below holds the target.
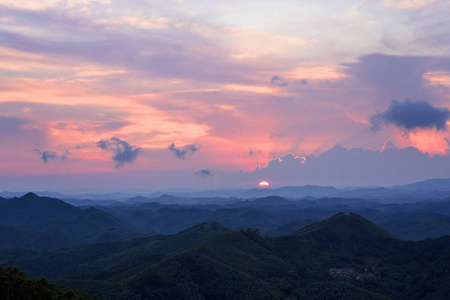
263,184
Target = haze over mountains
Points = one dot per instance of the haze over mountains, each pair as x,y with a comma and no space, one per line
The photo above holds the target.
294,241
422,189
414,211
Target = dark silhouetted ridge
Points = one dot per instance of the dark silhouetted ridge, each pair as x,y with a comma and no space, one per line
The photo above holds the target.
345,226
272,201
29,195
47,223
31,209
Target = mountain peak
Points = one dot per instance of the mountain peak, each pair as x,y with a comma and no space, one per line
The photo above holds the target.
29,195
166,196
346,226
271,201
206,227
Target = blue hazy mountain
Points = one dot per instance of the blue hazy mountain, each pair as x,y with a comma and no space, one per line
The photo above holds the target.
437,188
436,184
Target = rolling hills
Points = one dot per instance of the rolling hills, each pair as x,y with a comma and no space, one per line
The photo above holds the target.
262,248
48,223
345,256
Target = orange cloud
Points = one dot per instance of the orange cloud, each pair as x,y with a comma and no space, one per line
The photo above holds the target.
250,88
437,78
428,141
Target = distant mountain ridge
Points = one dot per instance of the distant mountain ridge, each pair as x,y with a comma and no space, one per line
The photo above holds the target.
441,187
435,184
272,215
44,223
31,208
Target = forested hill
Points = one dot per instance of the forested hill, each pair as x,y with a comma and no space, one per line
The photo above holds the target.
350,226
40,223
35,222
343,257
14,284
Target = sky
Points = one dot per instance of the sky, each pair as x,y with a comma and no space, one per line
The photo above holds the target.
110,95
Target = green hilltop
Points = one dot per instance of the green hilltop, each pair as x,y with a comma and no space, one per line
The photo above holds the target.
345,226
343,257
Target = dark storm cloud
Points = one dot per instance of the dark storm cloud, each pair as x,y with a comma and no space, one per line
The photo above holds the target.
204,173
123,152
411,115
181,152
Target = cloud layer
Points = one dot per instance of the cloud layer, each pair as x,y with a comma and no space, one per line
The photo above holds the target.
355,166
246,82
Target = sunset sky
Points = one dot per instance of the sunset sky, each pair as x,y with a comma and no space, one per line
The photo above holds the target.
112,95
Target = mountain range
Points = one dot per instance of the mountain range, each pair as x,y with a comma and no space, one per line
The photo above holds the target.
37,222
270,247
437,188
342,257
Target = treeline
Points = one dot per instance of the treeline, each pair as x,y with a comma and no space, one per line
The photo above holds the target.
14,285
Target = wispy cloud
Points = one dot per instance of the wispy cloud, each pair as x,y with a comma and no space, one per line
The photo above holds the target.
181,152
283,82
47,155
278,81
123,152
204,173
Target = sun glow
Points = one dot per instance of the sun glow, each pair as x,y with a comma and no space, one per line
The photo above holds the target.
263,184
